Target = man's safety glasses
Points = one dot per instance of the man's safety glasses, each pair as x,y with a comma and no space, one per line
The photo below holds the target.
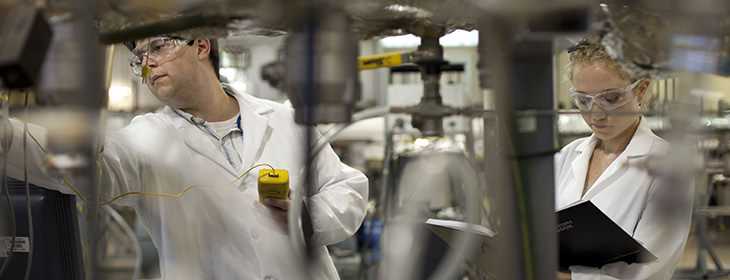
158,49
607,100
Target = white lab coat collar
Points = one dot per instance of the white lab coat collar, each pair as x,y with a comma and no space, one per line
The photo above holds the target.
254,123
641,144
256,126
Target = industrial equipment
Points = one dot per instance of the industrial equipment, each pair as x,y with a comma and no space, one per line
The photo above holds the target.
512,183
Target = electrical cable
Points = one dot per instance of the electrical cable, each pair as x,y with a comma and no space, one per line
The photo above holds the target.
150,193
63,177
186,189
29,264
6,149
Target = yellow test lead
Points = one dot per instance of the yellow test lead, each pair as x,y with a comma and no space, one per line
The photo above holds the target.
188,188
273,170
146,71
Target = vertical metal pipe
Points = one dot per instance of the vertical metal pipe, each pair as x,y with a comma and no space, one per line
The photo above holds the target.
333,51
430,65
87,101
509,249
520,75
534,145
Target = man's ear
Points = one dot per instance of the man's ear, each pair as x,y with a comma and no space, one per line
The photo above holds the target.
203,48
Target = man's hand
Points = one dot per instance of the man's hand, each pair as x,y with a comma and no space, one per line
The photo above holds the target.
280,207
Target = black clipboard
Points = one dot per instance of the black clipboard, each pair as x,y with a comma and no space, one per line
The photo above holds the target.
590,238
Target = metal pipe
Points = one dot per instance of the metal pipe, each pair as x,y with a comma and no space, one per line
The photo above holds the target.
525,204
163,27
321,60
87,101
426,115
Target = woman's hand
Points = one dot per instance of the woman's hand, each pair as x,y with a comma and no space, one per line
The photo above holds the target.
563,275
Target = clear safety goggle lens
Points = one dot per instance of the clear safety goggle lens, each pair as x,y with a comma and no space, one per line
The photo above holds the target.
157,49
135,63
606,100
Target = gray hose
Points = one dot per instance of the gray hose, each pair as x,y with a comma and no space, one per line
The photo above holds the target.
465,241
6,145
295,209
132,236
334,131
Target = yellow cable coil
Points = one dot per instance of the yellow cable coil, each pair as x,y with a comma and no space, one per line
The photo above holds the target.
149,193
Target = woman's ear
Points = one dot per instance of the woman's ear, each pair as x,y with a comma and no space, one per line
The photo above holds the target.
643,87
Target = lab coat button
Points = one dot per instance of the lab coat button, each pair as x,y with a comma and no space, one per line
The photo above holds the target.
255,236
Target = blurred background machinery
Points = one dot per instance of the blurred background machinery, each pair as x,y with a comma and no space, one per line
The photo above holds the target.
471,95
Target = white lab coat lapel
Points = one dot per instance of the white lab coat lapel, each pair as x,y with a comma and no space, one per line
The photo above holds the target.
579,166
198,140
639,146
255,135
604,180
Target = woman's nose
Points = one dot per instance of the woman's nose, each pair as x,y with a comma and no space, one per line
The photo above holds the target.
597,112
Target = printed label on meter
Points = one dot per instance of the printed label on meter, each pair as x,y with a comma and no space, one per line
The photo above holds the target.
22,245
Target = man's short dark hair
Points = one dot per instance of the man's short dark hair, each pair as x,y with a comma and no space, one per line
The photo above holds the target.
214,54
215,57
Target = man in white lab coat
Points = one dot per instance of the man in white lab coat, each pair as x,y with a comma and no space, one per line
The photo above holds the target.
209,134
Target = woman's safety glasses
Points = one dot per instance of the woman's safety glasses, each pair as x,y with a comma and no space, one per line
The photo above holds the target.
159,49
607,100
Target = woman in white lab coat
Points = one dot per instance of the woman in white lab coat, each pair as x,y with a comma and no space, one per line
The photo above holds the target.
606,168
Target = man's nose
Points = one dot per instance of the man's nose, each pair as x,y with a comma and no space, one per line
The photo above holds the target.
149,60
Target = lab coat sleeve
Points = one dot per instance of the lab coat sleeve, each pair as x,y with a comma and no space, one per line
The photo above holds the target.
38,174
117,171
122,167
339,206
663,229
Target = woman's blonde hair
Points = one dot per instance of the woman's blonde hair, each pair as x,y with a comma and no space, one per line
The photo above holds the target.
587,53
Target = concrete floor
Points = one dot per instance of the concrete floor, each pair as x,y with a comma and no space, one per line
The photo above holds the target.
718,233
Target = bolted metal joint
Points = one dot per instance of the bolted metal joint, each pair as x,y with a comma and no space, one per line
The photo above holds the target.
428,116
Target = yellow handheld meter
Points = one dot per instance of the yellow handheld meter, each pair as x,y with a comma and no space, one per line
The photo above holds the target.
273,183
